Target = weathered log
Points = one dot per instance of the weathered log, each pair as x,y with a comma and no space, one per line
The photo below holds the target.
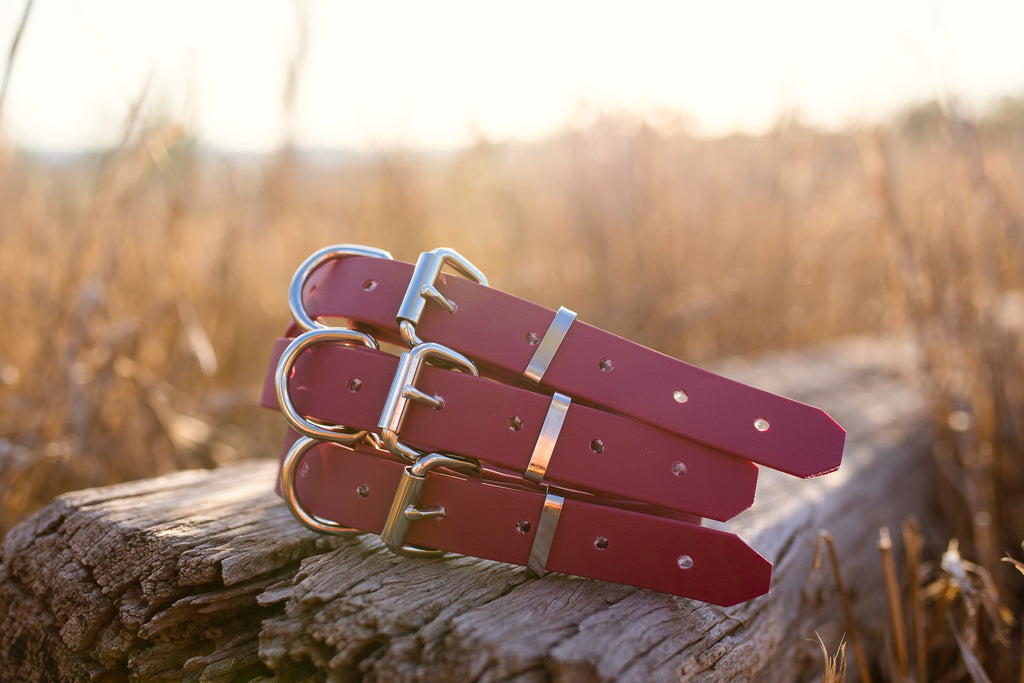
204,575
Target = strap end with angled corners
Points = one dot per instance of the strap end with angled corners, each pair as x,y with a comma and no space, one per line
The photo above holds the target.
687,560
818,446
832,445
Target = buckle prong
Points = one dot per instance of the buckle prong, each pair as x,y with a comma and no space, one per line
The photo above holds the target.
403,508
423,288
404,389
414,394
433,294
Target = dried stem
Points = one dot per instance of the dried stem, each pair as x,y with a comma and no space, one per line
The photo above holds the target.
912,543
824,537
971,662
892,588
9,68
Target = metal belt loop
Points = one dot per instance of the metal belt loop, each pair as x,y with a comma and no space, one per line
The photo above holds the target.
547,438
546,528
549,344
422,287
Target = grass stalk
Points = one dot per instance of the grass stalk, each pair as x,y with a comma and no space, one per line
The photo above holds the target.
912,544
12,53
825,539
892,589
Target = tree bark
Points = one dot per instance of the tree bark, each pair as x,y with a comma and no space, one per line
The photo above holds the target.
204,575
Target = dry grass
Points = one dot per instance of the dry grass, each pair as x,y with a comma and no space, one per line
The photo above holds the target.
947,620
835,665
142,290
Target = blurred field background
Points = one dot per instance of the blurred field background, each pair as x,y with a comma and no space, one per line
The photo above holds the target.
142,287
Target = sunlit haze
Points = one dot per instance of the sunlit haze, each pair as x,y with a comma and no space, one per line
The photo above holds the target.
437,74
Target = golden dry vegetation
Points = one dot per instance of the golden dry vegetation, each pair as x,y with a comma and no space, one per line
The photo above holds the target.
141,290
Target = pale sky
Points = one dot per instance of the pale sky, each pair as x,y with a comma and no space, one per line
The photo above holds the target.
436,72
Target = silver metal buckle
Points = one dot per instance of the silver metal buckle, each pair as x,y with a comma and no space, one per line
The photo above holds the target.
317,332
309,428
403,508
403,390
422,288
317,259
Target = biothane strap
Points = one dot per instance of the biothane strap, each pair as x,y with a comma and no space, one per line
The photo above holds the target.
507,335
503,426
503,523
640,445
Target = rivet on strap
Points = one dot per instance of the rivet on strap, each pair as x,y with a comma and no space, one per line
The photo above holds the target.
549,344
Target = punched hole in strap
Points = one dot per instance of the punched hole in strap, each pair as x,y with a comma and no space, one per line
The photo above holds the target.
548,345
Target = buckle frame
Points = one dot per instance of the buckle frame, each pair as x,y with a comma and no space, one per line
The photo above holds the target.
404,389
308,428
291,497
403,508
323,333
315,260
423,288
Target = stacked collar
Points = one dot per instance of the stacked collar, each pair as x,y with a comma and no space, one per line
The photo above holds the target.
505,430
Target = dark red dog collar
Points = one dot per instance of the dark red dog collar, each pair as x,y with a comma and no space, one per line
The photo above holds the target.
520,434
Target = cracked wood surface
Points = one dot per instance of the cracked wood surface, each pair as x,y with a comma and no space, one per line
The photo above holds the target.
203,575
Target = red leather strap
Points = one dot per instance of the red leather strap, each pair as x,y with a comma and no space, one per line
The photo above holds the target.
356,488
499,331
635,460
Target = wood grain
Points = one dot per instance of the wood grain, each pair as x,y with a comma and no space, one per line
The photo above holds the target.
203,575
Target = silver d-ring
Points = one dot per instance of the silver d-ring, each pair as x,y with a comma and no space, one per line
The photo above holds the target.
291,498
317,259
334,433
